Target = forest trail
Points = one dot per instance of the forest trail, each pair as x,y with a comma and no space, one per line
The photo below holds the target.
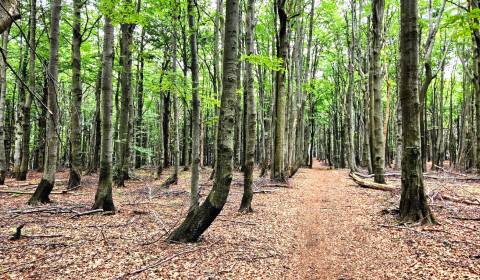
338,231
322,227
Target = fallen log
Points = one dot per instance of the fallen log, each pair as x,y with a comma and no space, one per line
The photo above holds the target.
371,185
467,201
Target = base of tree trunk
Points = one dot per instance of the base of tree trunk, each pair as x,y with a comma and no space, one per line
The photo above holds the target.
120,178
21,176
2,177
41,194
416,213
103,197
246,206
172,180
195,224
74,179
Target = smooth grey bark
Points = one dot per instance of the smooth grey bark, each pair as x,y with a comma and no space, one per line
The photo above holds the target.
103,196
47,183
76,163
278,172
378,8
413,202
200,219
3,94
194,192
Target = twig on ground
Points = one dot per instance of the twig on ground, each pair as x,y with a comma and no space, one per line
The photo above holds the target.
238,222
87,213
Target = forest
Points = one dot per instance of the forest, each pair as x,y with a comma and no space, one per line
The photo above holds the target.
240,139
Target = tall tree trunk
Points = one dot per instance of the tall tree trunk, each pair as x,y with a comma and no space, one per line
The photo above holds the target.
350,145
378,7
25,157
176,132
76,163
251,125
199,220
126,116
194,192
413,203
47,183
3,94
103,196
22,68
140,137
476,37
278,172
95,137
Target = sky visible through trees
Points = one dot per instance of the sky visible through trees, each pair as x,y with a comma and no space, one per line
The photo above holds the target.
113,92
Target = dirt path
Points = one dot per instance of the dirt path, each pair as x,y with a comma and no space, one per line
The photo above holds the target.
337,232
341,236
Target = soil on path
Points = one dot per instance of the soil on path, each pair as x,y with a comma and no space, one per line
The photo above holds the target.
347,232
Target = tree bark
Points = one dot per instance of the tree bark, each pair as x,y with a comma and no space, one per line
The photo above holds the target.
3,94
413,203
278,172
103,196
9,12
251,125
25,156
194,192
126,116
76,163
47,183
378,7
199,220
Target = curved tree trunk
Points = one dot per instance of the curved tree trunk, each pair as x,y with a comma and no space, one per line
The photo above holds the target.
199,220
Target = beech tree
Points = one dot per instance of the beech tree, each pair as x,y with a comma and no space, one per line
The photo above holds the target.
198,220
103,197
413,203
47,183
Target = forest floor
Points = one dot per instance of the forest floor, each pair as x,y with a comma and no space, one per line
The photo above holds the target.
323,226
